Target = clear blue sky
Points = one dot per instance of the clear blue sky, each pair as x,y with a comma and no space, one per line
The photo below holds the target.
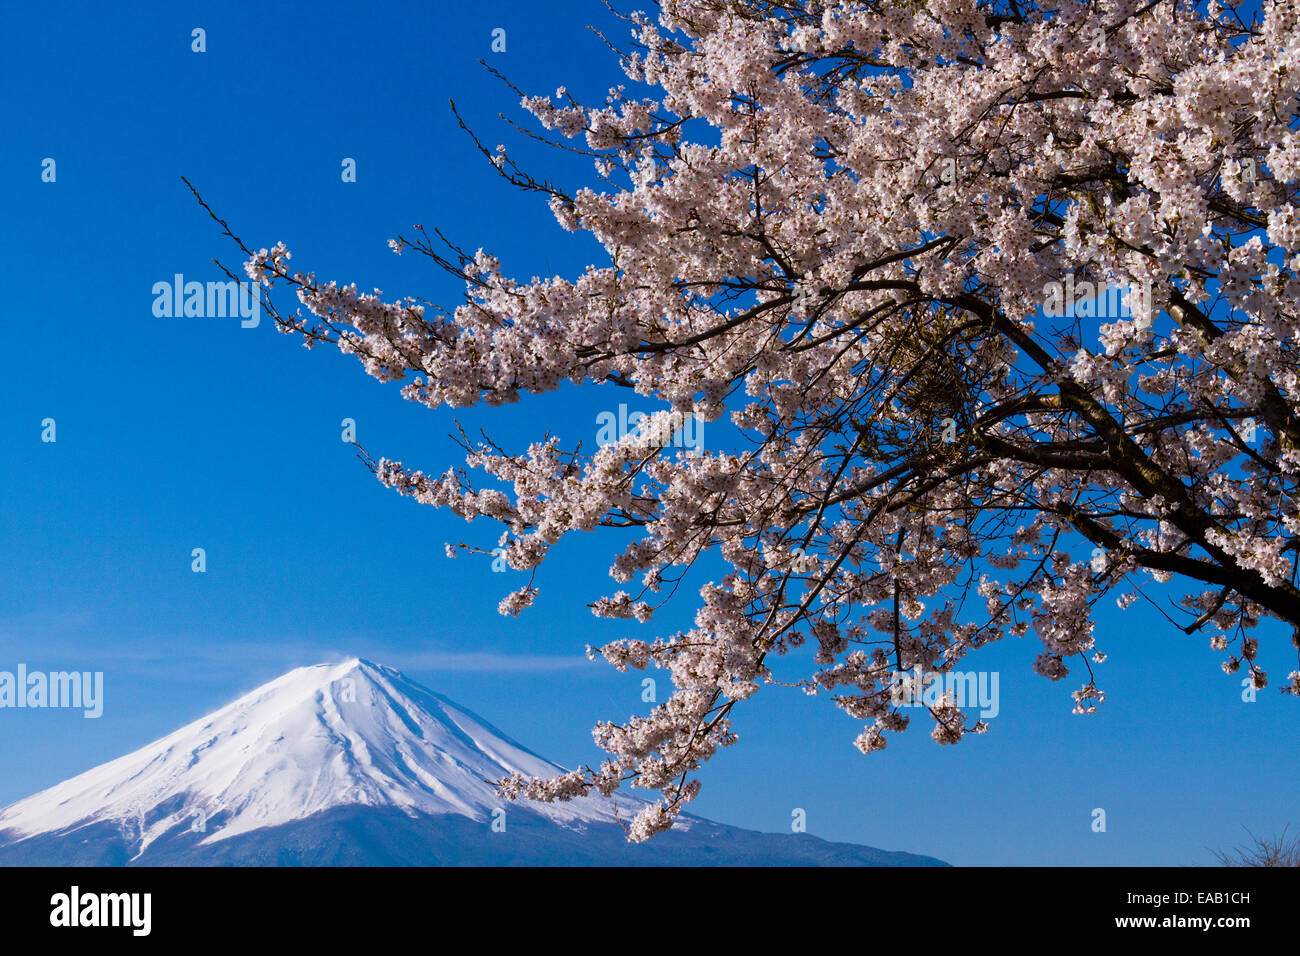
182,433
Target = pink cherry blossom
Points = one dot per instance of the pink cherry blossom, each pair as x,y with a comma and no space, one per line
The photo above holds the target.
837,224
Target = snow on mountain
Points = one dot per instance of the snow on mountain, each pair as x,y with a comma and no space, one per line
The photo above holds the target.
331,736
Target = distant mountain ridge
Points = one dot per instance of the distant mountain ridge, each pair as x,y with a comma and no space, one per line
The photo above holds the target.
354,764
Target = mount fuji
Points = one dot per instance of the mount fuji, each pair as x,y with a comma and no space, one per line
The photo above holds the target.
353,764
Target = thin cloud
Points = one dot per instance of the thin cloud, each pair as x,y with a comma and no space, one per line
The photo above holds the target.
482,661
166,655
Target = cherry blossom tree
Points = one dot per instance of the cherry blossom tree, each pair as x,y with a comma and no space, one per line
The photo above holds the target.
1263,851
846,226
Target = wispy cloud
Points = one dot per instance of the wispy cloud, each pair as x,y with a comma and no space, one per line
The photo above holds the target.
73,637
484,661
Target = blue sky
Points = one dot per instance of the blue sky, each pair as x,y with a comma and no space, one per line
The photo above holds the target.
176,433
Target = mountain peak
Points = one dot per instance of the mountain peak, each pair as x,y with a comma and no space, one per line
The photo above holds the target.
344,734
350,763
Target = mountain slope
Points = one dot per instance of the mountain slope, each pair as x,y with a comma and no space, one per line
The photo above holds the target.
354,764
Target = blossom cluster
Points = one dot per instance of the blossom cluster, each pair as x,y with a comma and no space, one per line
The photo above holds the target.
850,265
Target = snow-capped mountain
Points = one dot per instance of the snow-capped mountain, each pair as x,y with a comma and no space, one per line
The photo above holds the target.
354,763
333,735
